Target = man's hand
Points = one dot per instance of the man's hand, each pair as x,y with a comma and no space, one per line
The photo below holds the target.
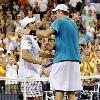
41,70
39,61
44,62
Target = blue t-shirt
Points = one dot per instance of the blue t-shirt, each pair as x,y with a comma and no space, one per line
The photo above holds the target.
66,40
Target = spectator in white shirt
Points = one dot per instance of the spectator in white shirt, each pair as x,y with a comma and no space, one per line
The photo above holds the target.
11,70
17,22
90,30
43,7
88,7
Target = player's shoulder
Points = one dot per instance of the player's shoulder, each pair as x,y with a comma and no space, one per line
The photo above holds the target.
64,19
59,21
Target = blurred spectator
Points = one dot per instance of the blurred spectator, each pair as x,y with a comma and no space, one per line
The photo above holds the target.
36,11
2,66
43,4
97,72
22,2
88,19
22,14
83,13
29,14
31,2
96,44
11,71
87,68
36,8
89,7
45,23
17,22
1,51
90,30
73,4
98,27
2,73
97,59
97,81
1,46
22,8
43,7
11,68
84,38
9,24
2,21
15,8
7,41
92,51
1,38
79,6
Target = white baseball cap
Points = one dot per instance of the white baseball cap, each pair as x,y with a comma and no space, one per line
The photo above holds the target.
8,51
61,7
26,21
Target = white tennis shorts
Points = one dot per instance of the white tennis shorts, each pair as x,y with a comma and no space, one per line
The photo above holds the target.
65,76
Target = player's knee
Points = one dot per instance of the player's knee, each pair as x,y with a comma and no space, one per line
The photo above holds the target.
71,95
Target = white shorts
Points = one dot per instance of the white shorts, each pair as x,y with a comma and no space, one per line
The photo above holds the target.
65,76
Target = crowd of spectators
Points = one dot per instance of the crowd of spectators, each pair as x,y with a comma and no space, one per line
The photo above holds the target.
83,13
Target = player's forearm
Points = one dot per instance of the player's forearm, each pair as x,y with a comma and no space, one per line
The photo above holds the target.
41,34
45,33
29,59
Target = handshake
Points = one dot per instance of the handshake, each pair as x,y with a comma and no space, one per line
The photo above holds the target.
46,63
46,67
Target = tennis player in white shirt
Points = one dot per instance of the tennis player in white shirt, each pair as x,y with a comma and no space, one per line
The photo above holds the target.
30,63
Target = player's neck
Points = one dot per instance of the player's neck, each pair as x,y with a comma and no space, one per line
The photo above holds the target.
65,16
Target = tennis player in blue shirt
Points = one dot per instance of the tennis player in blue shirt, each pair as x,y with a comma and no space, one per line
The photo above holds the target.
65,72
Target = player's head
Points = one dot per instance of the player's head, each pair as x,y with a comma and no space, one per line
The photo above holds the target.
60,10
27,22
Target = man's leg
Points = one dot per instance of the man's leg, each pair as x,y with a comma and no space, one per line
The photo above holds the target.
38,98
59,95
71,95
30,98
